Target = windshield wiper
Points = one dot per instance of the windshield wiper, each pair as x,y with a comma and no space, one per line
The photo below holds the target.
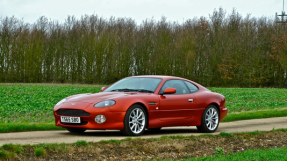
124,90
132,90
145,90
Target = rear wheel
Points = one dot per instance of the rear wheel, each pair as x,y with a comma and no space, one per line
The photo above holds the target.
135,121
209,120
76,130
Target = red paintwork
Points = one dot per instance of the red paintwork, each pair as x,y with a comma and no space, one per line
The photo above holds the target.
162,114
103,88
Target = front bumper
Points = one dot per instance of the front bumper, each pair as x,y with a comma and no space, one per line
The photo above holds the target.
114,120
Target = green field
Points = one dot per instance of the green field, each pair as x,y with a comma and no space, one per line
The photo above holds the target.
33,103
249,99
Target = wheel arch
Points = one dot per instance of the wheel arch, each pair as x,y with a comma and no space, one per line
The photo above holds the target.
202,127
145,108
212,103
127,130
217,106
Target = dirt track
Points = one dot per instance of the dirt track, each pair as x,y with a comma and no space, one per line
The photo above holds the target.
36,137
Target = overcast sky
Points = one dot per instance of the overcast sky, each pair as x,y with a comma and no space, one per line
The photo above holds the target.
139,10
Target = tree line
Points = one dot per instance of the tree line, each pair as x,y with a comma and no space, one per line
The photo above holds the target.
226,50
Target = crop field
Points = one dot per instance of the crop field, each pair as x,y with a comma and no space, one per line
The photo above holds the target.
250,99
33,103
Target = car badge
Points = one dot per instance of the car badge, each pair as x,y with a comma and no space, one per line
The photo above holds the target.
73,104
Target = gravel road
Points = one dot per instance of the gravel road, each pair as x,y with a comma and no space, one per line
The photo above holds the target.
63,136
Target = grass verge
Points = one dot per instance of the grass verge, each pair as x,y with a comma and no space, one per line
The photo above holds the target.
17,127
40,152
255,115
250,154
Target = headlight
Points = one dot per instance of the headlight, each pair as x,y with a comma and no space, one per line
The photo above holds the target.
105,103
63,100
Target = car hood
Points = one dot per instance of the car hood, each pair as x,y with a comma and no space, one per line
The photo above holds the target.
98,97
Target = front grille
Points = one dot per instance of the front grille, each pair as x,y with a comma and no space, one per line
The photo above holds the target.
71,112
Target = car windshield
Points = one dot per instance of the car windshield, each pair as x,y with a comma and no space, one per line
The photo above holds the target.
138,84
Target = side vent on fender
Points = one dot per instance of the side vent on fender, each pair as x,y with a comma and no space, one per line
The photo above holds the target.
152,103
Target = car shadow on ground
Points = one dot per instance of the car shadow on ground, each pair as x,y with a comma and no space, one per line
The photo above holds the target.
117,133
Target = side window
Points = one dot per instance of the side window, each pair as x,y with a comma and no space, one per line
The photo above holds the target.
177,84
192,88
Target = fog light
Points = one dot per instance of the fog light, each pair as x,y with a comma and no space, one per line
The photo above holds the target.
100,119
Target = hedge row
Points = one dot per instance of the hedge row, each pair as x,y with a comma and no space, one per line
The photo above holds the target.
222,50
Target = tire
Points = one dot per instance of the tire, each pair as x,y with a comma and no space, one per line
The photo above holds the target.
76,130
209,120
135,121
154,129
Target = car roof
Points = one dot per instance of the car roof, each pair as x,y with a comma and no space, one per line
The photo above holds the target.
158,76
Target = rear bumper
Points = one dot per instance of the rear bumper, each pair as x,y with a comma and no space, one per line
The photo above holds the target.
114,120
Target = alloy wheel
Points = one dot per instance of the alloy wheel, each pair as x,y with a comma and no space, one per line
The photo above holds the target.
137,120
211,118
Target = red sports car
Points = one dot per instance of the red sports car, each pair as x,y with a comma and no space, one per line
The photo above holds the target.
135,103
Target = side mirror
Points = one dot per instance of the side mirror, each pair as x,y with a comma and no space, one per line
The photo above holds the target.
103,88
169,91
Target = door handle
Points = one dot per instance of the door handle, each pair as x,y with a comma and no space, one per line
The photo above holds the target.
190,100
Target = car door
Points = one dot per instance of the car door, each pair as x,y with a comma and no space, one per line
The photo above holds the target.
179,105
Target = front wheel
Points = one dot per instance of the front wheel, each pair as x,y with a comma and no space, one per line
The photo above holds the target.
135,121
209,120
